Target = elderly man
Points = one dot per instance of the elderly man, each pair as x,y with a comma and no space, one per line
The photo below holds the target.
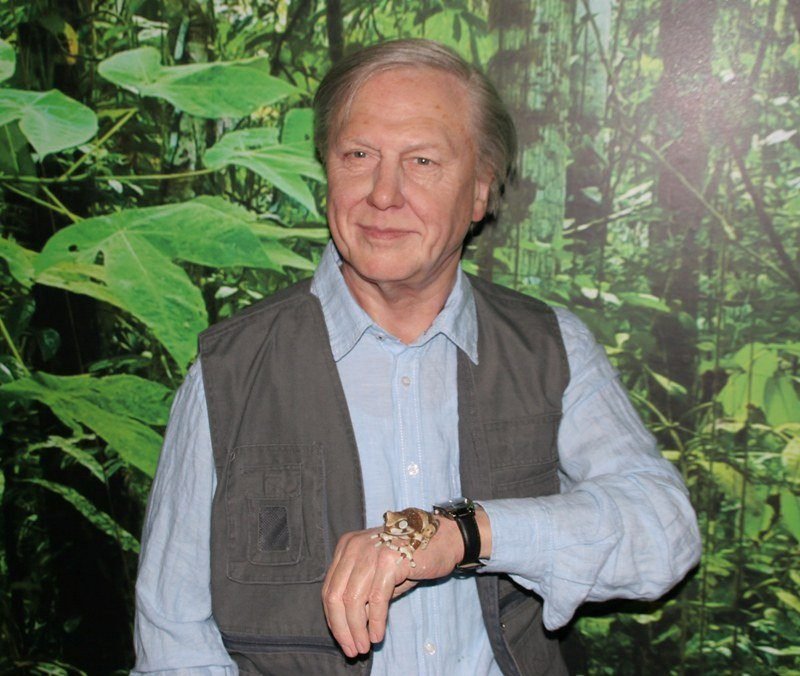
392,380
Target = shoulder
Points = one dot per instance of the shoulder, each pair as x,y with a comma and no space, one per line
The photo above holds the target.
497,294
573,330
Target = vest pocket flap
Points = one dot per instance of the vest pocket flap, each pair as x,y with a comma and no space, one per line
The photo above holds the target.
273,501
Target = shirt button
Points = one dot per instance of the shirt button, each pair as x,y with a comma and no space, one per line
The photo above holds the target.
406,381
429,648
413,469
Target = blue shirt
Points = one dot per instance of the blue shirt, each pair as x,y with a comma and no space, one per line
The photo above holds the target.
622,525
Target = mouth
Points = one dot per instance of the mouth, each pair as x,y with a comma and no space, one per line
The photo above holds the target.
383,233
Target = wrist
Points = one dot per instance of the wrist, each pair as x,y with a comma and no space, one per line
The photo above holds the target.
461,512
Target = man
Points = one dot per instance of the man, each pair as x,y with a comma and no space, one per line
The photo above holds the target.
395,381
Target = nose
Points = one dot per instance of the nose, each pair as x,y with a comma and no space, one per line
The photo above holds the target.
387,187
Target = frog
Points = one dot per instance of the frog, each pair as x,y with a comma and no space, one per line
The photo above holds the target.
406,531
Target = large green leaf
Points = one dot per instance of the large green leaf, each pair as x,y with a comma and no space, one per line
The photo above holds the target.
96,516
51,121
790,458
210,90
643,300
19,261
758,513
8,60
126,259
790,512
282,164
781,404
134,275
71,447
118,408
298,127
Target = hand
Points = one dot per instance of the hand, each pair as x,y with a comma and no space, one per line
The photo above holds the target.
363,579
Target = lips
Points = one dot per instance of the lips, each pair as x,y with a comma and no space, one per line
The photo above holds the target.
381,233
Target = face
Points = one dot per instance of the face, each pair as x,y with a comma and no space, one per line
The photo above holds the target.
403,180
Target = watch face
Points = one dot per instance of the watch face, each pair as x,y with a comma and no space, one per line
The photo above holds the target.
455,507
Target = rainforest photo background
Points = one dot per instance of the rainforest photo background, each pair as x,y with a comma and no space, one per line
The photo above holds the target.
157,175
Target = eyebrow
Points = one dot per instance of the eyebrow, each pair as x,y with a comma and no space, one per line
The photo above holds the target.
413,148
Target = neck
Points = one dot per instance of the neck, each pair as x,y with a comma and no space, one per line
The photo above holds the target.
403,310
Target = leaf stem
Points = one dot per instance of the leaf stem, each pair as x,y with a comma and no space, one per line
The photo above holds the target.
96,146
58,209
12,347
157,177
4,178
74,218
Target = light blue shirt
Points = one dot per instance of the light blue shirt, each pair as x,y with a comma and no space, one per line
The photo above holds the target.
622,525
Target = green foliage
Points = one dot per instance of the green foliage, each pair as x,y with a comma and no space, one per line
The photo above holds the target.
282,164
50,120
203,89
137,247
180,186
96,517
119,408
8,60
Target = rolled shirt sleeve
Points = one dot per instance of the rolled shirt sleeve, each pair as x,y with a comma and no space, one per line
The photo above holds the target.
622,526
175,632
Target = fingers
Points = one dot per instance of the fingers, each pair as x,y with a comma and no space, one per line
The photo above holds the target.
381,594
357,591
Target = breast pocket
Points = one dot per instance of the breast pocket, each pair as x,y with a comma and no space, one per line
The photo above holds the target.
524,456
274,497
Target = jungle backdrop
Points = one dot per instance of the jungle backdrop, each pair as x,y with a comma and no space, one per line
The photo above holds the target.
157,175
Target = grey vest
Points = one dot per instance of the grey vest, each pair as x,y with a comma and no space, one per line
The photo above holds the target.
289,479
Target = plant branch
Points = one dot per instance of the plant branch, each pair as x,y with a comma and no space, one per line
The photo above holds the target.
58,209
729,230
764,220
156,177
12,347
96,146
113,177
74,218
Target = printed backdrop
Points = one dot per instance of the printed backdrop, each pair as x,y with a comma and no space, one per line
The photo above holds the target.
157,175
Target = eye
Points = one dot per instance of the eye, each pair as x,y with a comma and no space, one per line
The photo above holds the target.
423,161
357,154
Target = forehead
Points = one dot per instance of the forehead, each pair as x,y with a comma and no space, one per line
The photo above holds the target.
408,96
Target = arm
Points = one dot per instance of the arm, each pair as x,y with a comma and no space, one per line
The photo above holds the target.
174,627
622,526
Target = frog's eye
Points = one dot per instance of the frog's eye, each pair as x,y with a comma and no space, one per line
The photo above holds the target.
403,524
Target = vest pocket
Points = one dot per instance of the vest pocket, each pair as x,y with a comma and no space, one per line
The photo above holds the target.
524,456
274,510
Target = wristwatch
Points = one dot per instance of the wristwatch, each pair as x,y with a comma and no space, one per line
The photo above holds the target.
462,511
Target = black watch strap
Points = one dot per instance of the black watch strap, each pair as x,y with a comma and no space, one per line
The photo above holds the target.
462,511
468,525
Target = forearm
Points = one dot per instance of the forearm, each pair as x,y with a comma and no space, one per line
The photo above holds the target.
175,631
622,525
632,536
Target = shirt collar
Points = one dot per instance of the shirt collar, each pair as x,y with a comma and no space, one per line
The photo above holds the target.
347,322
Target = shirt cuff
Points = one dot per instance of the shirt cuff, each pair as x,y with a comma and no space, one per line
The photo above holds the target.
521,536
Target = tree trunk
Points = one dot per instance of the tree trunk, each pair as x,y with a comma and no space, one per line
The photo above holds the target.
335,30
531,71
683,101
589,195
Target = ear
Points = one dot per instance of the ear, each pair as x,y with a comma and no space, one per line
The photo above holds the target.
482,184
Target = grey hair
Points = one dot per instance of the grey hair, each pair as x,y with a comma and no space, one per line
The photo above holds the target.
496,135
